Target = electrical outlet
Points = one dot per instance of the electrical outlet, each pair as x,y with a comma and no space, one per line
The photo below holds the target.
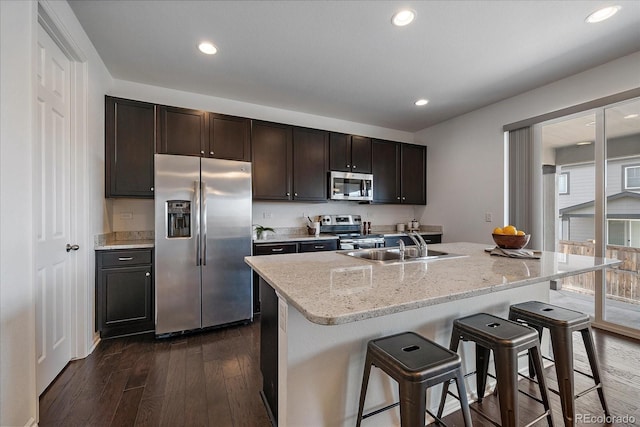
488,217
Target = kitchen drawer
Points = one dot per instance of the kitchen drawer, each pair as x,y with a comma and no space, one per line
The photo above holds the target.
317,246
123,258
275,248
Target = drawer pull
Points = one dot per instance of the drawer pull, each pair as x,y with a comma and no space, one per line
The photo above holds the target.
318,247
277,249
125,258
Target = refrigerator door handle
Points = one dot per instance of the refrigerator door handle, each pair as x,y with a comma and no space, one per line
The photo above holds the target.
203,192
196,201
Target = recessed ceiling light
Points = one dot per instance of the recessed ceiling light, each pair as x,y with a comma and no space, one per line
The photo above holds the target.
602,14
583,143
208,48
631,116
421,102
403,17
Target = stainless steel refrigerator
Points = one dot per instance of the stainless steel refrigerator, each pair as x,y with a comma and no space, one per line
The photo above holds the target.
202,234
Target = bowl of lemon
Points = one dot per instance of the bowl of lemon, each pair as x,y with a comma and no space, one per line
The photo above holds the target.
509,237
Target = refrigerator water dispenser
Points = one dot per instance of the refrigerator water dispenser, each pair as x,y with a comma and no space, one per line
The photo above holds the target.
178,218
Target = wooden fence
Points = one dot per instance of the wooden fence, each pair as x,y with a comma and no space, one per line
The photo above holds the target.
623,283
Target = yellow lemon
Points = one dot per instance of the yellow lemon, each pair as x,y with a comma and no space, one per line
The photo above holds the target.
509,230
520,233
497,230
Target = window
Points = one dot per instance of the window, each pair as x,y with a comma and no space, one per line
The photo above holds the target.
563,183
631,177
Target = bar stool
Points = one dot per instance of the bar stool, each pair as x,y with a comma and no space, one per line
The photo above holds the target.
506,339
416,363
562,323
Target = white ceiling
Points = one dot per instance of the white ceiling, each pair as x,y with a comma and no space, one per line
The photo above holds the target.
344,59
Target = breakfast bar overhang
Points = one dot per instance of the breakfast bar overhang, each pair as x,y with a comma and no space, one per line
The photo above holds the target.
320,309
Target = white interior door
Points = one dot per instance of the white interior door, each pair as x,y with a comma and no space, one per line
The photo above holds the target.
54,265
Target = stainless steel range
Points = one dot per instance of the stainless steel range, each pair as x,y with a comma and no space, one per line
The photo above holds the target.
349,230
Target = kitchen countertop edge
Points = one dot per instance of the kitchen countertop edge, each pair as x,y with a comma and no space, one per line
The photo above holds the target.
353,315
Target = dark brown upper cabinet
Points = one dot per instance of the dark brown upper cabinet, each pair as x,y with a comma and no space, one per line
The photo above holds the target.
385,159
350,153
289,163
230,137
413,168
272,152
130,135
399,172
182,131
310,164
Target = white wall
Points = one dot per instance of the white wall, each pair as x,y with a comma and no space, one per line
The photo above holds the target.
465,172
18,402
283,214
18,29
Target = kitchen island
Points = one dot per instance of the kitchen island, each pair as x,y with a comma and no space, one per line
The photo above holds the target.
320,309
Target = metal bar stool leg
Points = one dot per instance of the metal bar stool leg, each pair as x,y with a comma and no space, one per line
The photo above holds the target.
535,357
363,390
562,344
482,369
453,346
506,362
412,404
587,338
464,402
532,370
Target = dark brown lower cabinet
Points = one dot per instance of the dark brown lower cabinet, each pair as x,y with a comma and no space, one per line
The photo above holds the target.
124,292
392,241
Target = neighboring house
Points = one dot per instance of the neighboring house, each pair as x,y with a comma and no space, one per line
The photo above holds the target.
576,190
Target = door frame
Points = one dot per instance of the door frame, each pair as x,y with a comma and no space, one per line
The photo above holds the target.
81,332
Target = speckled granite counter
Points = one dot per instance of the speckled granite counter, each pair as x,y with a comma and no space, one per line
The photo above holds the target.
124,240
329,288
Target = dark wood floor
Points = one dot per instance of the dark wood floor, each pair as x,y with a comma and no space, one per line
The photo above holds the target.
213,379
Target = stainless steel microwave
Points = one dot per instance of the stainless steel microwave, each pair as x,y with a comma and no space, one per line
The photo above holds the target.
351,186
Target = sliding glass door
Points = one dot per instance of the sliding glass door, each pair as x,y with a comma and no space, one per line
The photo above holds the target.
621,304
569,178
591,205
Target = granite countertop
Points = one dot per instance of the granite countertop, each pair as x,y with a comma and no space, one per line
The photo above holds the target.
329,288
124,240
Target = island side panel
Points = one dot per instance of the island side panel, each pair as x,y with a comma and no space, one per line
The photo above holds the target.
320,367
269,347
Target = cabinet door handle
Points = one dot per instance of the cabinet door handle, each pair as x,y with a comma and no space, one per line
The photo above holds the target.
295,194
277,249
398,197
354,166
348,166
148,274
288,194
151,188
202,152
125,258
211,153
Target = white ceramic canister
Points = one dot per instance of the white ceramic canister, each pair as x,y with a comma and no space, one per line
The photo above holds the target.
400,227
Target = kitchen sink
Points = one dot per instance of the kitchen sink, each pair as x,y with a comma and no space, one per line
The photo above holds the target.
393,255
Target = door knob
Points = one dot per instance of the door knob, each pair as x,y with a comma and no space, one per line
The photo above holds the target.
72,247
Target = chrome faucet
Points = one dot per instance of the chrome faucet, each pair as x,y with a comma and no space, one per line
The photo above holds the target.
420,243
401,242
